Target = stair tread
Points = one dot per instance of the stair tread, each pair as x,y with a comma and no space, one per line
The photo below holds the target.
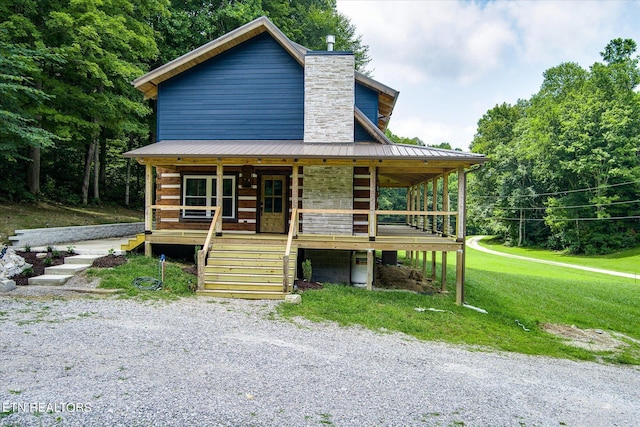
50,279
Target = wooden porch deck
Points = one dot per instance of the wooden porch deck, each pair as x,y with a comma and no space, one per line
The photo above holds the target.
390,237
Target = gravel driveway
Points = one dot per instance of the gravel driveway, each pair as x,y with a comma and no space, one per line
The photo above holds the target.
99,361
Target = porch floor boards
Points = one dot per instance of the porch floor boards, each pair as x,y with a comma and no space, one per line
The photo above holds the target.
390,237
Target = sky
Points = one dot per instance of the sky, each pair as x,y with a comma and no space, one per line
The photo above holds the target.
454,60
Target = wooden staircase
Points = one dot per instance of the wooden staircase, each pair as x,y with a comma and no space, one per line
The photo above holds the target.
247,269
133,243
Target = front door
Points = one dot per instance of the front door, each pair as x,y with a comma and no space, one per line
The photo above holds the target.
273,204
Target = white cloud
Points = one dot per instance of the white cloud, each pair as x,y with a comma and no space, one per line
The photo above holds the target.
443,39
453,60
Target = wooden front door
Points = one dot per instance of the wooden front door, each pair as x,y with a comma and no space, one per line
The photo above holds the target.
273,204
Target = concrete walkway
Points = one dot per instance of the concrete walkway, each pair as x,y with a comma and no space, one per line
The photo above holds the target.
473,243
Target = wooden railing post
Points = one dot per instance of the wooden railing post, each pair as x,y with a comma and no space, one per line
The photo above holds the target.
293,229
372,203
148,202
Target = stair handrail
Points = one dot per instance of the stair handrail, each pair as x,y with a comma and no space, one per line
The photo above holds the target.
293,226
204,252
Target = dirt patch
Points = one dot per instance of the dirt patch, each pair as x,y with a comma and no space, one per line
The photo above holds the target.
589,339
303,285
193,269
109,261
402,277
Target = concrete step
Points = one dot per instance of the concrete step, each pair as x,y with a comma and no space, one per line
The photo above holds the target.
50,279
81,259
66,269
242,294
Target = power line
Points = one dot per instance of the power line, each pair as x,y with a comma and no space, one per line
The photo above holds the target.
564,191
565,207
570,219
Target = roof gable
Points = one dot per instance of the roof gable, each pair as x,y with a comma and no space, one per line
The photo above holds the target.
148,83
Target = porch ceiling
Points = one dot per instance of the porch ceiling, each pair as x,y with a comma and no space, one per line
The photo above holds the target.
399,180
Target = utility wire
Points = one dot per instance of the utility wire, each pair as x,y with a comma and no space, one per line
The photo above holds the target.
564,191
570,219
564,207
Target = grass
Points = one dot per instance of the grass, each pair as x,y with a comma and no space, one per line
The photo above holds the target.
17,216
177,283
509,290
627,261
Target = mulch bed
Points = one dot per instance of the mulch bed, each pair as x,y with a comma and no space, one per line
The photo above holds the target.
302,285
109,261
57,258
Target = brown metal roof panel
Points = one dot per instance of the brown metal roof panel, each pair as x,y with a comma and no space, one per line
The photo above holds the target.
180,148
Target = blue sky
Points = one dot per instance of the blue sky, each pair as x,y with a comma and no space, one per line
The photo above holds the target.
454,60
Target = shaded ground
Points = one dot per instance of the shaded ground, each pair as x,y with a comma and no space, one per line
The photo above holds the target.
402,277
16,216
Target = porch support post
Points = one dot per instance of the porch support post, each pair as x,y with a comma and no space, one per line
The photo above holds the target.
461,235
408,222
372,203
445,228
148,201
434,207
425,205
219,189
295,189
409,254
294,186
370,265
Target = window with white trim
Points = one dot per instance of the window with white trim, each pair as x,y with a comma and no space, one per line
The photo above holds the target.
200,190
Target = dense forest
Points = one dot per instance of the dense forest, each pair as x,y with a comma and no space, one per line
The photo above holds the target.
565,164
564,170
67,108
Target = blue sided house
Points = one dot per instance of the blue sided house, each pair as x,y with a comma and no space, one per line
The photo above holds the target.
269,154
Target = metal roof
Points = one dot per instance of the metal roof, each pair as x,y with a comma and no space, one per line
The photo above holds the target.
298,150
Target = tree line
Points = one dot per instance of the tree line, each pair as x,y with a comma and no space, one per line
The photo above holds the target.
67,108
565,164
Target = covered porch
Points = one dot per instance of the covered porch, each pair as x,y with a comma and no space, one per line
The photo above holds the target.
319,197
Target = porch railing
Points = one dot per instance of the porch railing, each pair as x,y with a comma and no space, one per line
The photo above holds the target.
214,228
372,219
293,226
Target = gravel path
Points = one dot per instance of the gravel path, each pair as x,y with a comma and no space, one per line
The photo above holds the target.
99,361
474,243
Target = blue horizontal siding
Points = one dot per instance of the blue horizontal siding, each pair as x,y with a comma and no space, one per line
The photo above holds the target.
253,91
367,102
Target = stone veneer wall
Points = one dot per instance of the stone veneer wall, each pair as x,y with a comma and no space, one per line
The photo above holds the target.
329,97
327,187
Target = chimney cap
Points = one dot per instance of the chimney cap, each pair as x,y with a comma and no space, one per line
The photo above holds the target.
331,39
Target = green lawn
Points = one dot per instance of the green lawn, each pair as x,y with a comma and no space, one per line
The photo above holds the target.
509,290
625,261
177,283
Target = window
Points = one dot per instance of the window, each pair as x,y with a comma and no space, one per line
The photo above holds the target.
200,190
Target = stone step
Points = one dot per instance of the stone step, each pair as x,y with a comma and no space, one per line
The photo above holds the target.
81,259
50,279
66,269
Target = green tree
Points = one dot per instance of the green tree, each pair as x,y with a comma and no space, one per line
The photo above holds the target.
566,161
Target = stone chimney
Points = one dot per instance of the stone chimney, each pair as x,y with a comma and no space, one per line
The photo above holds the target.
328,97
